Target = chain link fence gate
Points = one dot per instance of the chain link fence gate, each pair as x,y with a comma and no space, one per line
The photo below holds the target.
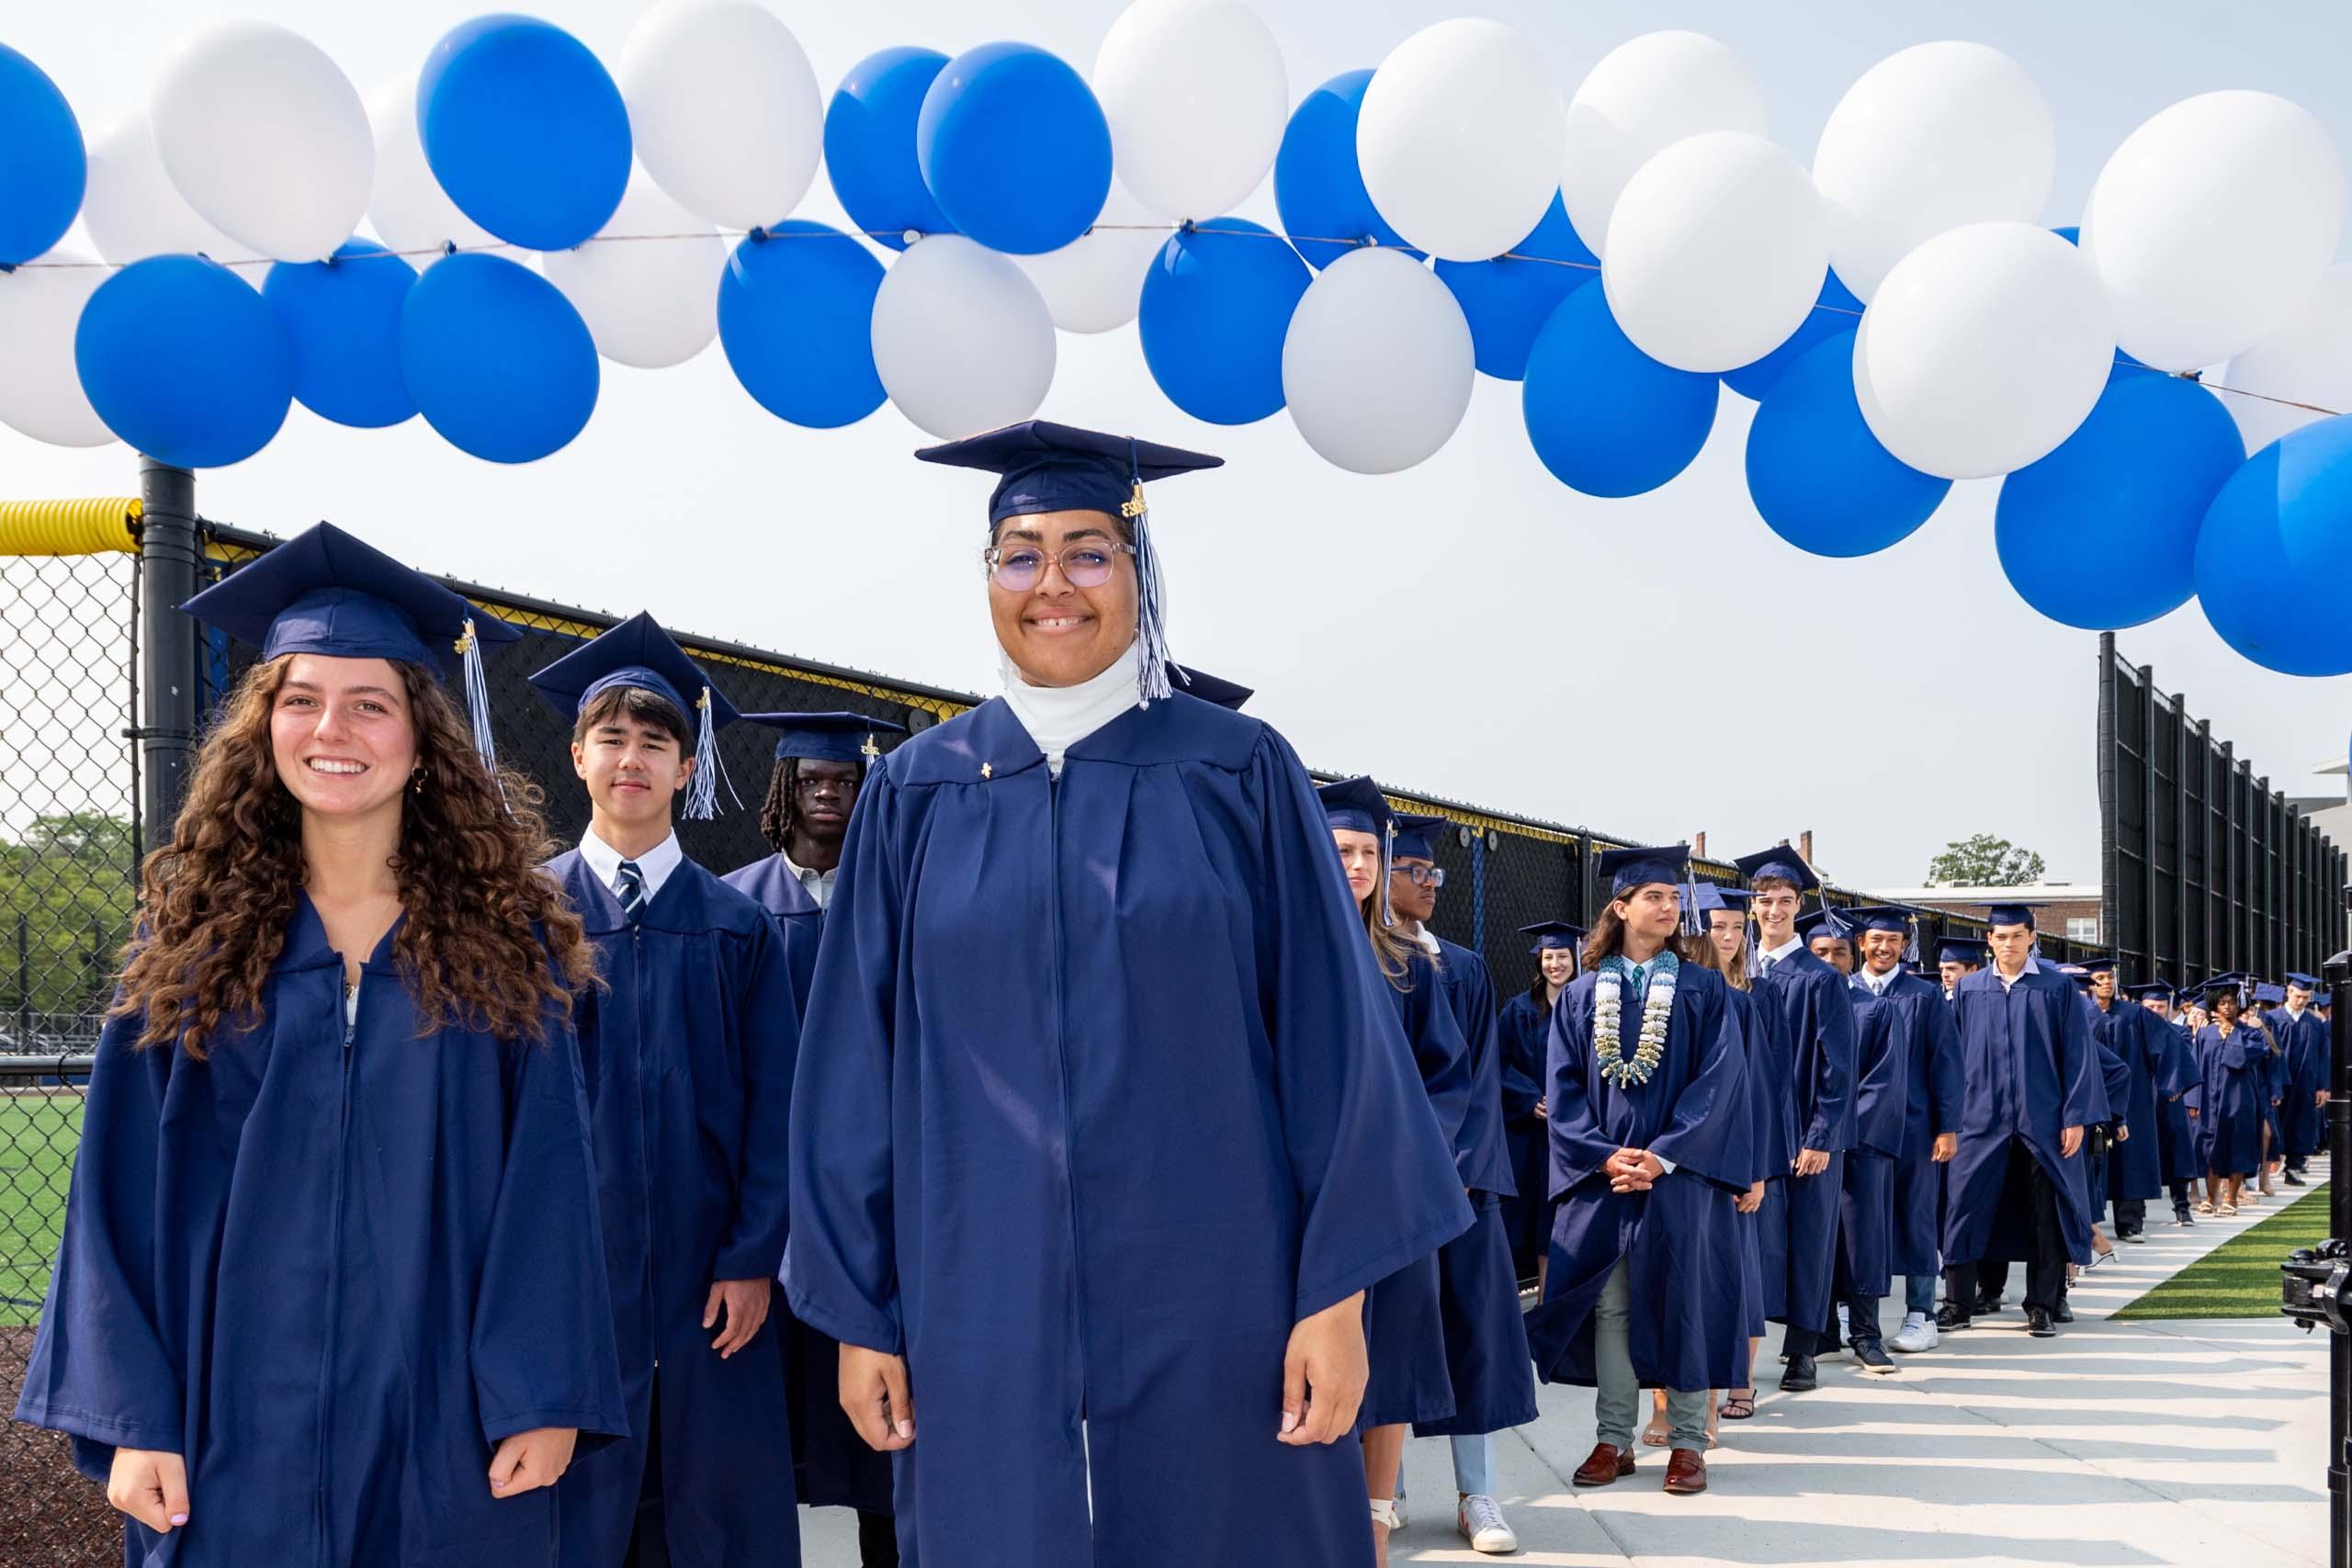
85,769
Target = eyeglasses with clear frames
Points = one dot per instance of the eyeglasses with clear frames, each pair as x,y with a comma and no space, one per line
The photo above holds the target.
1424,876
1016,568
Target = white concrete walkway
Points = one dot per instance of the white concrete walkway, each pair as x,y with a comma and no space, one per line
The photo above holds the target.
2195,1442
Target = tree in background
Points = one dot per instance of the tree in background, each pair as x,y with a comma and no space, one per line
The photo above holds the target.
1985,861
67,889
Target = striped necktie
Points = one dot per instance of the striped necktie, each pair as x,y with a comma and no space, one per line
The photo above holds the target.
629,888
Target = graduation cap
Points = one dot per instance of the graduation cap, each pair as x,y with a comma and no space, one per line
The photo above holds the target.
1961,949
1044,466
2217,986
327,593
1208,688
827,737
2076,973
1417,835
1886,917
1356,806
1626,869
1552,935
637,653
1828,920
1780,861
2162,989
2010,915
2268,995
2307,982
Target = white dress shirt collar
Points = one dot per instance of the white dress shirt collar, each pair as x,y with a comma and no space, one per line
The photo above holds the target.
654,865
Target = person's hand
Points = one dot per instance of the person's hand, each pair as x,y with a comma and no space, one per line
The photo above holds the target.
1632,1170
746,1302
528,1461
1947,1145
1325,1368
1751,1201
1809,1162
875,1394
2070,1140
2320,1097
1544,1110
151,1487
2192,1113
2123,1132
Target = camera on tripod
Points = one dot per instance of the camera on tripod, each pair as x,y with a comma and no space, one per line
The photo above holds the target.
2313,1284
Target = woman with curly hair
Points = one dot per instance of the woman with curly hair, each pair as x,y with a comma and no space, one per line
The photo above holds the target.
331,1289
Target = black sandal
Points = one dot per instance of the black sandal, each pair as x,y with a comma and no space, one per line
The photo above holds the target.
1738,1407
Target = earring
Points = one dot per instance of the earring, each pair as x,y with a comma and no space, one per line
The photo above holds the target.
416,780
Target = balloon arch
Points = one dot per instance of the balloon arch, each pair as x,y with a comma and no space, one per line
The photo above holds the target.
1895,307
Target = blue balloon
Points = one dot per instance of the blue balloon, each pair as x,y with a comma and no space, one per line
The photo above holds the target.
2102,532
343,320
525,131
1508,299
496,358
1014,148
183,360
870,146
796,316
1820,480
1319,186
1835,311
1216,307
1606,417
2286,511
42,167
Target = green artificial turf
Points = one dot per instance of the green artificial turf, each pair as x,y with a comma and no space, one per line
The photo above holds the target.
39,1132
2239,1278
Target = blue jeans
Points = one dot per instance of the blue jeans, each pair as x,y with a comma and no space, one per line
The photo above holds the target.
1919,1293
1474,1466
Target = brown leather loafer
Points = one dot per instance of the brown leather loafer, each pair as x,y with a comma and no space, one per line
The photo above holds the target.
1686,1472
1607,1462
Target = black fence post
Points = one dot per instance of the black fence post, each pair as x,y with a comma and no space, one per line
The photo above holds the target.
168,556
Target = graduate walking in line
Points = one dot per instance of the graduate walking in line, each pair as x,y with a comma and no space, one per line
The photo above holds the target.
1956,959
2228,1100
1724,946
1111,1123
2177,1158
1798,1230
1524,1027
2157,1064
689,1048
822,759
2303,1035
1651,1151
1486,1336
2016,1190
329,1289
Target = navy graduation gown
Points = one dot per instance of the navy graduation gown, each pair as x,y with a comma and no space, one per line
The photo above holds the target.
1680,1240
1522,1030
832,1464
332,1266
1765,1107
1110,1095
1933,1090
1866,1186
2115,1079
2228,1100
689,1051
1817,1027
2032,1070
2135,1166
1485,1334
2306,1044
2180,1081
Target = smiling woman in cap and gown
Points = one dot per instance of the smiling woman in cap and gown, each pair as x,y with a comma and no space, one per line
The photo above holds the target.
1112,1122
1651,1149
2228,1100
1523,1032
330,1288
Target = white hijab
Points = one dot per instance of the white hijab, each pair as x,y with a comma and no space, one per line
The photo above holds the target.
1058,718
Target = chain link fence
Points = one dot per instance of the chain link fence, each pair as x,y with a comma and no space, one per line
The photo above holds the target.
69,840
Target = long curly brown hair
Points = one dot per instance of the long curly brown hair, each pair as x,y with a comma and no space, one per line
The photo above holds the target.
487,943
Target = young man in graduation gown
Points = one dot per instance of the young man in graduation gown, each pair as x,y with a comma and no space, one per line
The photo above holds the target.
2018,1189
1524,1032
820,765
688,1046
1919,1026
1486,1336
1651,1127
2158,1067
2302,1109
1113,1121
1828,937
1797,1229
1956,958
2177,1158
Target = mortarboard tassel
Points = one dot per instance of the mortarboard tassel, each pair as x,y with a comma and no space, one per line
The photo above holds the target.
476,685
1388,859
1151,599
702,790
1911,948
1692,923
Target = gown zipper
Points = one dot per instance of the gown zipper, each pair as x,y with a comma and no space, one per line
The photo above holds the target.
1069,1122
350,1002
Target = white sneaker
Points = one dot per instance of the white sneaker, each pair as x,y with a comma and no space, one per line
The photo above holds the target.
1917,1333
1480,1521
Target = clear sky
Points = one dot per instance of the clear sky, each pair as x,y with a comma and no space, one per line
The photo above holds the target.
1650,667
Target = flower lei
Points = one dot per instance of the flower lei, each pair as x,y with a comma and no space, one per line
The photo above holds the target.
1608,1012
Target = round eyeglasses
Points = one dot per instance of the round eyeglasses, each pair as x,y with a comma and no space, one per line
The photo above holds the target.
1017,568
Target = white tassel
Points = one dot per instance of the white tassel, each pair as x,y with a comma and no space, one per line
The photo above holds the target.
702,790
1387,861
1151,623
476,685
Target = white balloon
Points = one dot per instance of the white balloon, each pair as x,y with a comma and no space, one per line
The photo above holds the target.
961,338
647,302
41,391
1644,97
1718,248
409,211
2309,360
132,210
724,108
2211,225
1929,139
1377,365
1457,139
1984,350
1095,283
265,137
1197,98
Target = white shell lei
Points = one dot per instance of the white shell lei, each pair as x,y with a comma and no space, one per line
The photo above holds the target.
1608,1010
